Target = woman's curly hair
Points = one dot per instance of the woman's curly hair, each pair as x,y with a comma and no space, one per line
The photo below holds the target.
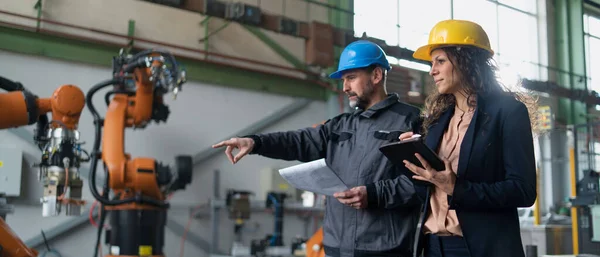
478,76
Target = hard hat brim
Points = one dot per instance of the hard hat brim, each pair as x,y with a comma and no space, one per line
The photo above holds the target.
339,73
336,75
424,52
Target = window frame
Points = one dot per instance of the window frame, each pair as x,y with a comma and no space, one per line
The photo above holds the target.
590,11
537,72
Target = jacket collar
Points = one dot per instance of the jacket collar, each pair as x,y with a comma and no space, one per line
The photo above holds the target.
436,132
385,103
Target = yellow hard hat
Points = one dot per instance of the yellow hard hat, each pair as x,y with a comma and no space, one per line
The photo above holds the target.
454,33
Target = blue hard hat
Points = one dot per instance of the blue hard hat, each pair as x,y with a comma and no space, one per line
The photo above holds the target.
361,54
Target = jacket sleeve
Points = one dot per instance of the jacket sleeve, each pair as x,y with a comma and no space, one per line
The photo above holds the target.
304,145
394,193
518,189
400,191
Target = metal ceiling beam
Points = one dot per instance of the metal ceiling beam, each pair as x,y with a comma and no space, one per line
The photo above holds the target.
255,127
594,3
284,53
71,48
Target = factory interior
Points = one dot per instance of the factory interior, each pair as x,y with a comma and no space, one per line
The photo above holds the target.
211,70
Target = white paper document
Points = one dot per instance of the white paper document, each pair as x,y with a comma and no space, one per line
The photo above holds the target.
314,177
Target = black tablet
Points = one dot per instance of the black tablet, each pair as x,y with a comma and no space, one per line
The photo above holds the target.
397,152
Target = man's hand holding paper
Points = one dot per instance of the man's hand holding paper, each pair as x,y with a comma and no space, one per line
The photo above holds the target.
356,197
315,177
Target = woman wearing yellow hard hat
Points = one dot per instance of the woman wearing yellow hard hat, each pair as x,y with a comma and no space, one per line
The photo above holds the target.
484,134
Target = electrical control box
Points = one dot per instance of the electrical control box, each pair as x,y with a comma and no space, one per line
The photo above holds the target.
288,26
214,8
195,5
243,13
11,160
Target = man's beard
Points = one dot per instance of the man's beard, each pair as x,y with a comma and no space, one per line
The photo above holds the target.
361,101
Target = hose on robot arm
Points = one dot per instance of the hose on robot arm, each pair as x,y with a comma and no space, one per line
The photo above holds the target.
30,99
98,123
10,85
33,112
165,80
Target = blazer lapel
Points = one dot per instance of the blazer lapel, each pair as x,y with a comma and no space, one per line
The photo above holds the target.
436,131
467,143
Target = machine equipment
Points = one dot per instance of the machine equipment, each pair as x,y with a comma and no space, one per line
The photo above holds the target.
238,206
58,139
139,186
585,189
258,247
314,245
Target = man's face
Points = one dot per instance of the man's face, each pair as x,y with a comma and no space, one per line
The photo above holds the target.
358,85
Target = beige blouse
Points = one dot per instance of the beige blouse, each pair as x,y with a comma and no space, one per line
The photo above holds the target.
441,221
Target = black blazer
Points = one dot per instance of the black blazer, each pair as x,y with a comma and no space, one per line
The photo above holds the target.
496,174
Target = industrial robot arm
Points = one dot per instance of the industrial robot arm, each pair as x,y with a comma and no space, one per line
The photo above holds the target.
140,185
314,245
61,153
12,245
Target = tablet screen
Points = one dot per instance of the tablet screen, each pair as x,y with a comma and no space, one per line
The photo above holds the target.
397,152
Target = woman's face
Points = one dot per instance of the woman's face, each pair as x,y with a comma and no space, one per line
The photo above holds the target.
443,72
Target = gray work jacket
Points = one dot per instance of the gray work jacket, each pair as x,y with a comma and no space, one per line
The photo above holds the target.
350,143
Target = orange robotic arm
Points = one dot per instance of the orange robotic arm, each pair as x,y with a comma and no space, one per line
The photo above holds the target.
140,185
21,108
314,245
57,140
61,151
12,245
128,177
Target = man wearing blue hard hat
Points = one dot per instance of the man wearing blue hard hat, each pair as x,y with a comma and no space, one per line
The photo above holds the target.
378,216
362,57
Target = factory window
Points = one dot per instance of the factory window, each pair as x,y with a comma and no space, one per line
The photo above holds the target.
406,23
516,50
529,6
591,29
376,21
401,23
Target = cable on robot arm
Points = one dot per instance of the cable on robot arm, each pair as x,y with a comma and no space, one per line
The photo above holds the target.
138,198
98,122
145,59
90,95
162,70
40,131
10,85
163,53
104,199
